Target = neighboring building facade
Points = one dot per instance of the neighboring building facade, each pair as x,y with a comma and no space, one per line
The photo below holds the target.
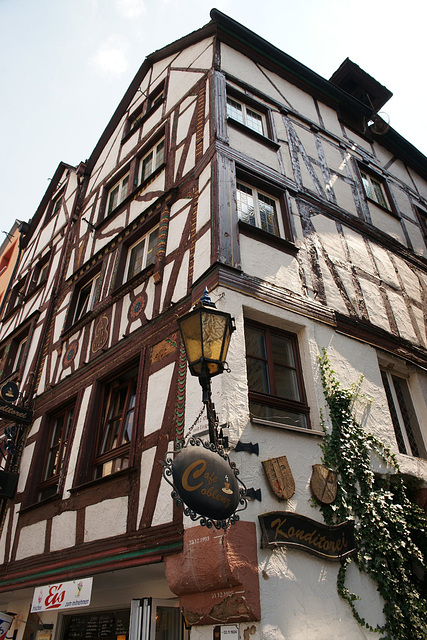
231,166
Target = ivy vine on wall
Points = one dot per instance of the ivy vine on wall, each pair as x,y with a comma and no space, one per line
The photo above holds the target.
390,529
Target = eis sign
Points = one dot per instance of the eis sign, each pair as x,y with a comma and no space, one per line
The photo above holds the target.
62,595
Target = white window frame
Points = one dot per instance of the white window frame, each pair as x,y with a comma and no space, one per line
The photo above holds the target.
89,300
256,193
157,153
401,428
243,113
148,255
121,189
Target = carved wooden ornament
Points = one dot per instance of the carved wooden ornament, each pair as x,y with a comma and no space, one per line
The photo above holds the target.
323,483
280,477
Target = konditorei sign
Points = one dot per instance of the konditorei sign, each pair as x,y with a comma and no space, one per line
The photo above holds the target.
15,412
62,595
280,528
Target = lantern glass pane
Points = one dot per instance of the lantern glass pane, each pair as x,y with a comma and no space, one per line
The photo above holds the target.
190,329
213,327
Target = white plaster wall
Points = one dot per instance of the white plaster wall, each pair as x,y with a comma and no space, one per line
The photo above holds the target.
187,111
106,519
157,395
24,468
271,265
147,462
180,82
204,207
252,148
202,255
31,540
71,468
181,285
63,530
198,55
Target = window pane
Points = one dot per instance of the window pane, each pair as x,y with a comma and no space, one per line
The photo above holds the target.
168,623
367,186
408,412
113,199
152,246
268,214
255,342
286,383
147,166
254,120
379,193
234,110
258,375
136,259
245,204
394,417
275,414
160,154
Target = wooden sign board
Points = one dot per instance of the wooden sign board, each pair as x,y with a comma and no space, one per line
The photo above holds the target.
323,483
286,528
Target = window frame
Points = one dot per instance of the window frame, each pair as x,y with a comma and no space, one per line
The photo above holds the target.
157,164
112,205
367,175
407,428
271,400
105,401
40,273
422,219
257,216
144,263
55,478
136,119
245,119
17,295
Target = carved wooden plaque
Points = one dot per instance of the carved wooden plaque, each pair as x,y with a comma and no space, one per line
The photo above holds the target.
280,477
323,483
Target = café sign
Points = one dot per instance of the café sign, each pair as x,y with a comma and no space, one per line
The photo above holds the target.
62,595
207,483
286,528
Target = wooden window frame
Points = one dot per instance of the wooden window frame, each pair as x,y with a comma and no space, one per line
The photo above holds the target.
122,193
55,458
367,175
93,279
407,429
145,262
158,161
271,401
107,390
422,219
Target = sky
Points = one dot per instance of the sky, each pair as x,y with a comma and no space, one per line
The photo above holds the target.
65,65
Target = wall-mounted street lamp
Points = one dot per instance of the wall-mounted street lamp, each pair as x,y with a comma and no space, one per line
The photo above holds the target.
206,334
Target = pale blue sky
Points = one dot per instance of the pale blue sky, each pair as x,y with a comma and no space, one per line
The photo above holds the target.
65,64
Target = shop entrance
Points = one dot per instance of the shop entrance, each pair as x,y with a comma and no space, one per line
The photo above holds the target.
146,619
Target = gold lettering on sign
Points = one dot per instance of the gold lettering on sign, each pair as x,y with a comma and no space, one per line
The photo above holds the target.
201,465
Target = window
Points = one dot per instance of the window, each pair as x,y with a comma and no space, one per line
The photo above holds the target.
375,189
141,254
422,217
240,112
86,295
152,161
40,273
153,101
19,349
59,427
16,296
117,194
276,388
116,424
258,209
406,426
14,357
54,207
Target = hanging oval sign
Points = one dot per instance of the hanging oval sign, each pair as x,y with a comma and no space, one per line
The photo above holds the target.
206,483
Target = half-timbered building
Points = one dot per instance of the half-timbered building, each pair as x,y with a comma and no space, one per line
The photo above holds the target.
230,166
